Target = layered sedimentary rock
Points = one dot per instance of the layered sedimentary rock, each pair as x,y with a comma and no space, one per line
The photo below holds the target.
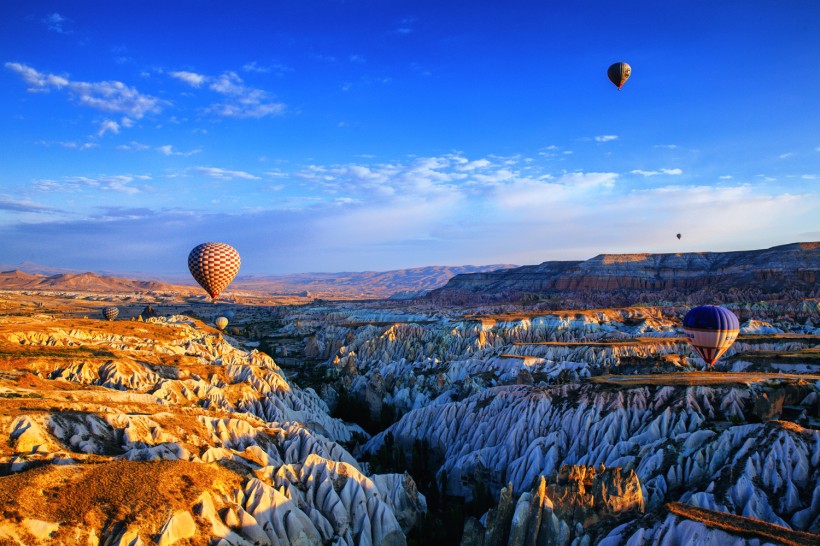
788,267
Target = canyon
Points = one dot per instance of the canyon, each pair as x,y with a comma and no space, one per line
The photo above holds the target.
409,421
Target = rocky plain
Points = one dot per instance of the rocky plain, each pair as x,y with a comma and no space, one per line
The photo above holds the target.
501,409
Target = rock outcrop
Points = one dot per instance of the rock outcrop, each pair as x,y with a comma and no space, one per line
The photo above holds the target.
778,269
559,511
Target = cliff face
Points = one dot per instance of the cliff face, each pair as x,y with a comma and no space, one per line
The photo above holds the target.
793,266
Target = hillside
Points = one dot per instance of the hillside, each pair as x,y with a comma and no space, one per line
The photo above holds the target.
368,284
81,282
632,277
361,284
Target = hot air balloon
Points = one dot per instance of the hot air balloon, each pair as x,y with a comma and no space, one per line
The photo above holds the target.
711,330
618,74
678,236
110,313
221,322
213,265
230,313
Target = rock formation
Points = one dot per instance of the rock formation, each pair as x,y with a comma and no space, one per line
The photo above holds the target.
778,269
559,511
99,417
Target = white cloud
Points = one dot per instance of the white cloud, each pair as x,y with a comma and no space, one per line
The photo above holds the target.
169,150
785,155
56,23
371,215
37,81
606,138
23,205
225,174
133,146
191,78
108,126
473,165
243,101
656,173
70,144
725,177
116,183
106,96
667,146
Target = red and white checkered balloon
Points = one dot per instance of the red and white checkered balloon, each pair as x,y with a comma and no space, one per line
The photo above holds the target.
213,265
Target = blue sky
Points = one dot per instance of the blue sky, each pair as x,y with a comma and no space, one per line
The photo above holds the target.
374,135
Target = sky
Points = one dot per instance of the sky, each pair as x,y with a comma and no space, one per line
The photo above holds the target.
376,135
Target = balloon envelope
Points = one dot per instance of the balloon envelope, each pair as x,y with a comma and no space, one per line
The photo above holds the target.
221,322
213,265
618,73
678,236
711,330
110,313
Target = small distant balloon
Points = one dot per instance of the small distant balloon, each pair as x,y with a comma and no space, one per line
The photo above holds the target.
230,313
110,313
711,330
678,236
221,322
618,73
213,265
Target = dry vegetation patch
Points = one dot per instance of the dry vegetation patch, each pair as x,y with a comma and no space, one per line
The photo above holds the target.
98,495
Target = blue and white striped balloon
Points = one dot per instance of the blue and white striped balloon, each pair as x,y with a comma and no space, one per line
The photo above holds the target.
711,330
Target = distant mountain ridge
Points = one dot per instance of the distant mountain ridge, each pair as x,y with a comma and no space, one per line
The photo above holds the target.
364,284
79,282
379,284
794,266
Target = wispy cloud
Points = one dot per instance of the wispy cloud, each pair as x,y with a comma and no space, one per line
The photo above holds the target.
241,101
116,183
449,208
70,144
666,146
165,149
24,205
107,96
108,126
786,155
277,69
56,23
169,150
191,78
656,173
225,174
605,138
